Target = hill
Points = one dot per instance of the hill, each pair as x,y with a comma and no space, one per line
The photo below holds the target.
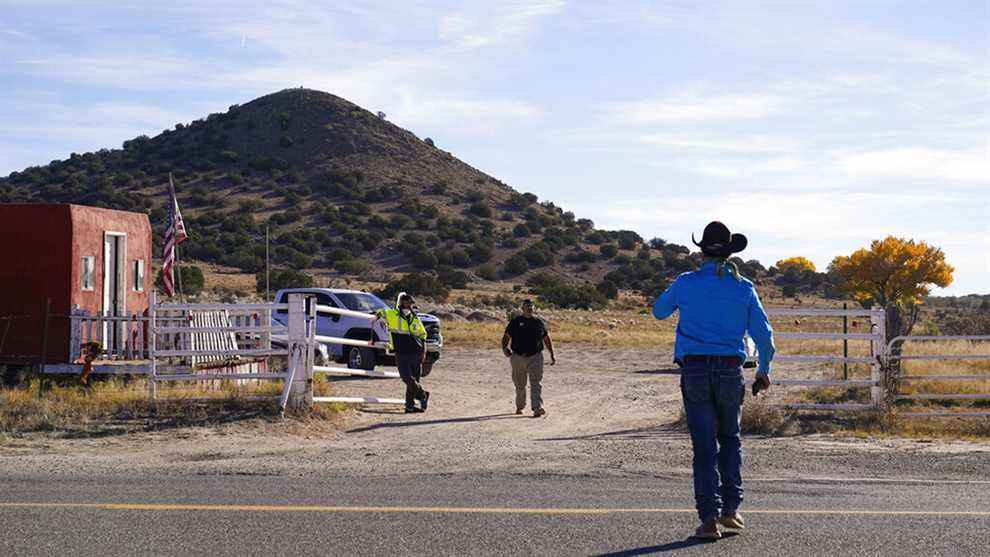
345,191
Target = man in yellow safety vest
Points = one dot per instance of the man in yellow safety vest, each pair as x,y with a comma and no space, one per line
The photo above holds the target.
408,341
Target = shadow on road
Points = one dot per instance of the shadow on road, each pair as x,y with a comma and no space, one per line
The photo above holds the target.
672,546
467,419
665,431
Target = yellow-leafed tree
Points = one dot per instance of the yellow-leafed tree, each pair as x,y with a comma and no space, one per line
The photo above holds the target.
894,273
799,264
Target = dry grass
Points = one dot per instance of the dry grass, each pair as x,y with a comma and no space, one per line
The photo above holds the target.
620,329
120,406
638,329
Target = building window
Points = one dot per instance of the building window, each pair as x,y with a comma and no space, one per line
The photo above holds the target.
87,272
139,275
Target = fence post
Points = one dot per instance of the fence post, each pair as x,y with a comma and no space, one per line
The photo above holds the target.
153,366
301,389
845,343
44,347
878,327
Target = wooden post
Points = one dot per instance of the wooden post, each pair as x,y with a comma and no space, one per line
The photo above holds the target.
845,343
301,388
878,327
44,347
153,365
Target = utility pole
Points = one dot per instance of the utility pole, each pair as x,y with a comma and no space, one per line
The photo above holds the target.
267,279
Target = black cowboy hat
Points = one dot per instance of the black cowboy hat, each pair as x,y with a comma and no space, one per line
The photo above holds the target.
717,241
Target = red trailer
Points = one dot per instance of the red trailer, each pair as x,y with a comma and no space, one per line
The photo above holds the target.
85,260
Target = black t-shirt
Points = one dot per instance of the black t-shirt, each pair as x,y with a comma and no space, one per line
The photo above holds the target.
527,335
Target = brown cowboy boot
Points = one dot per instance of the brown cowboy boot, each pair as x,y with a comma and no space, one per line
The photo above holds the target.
708,531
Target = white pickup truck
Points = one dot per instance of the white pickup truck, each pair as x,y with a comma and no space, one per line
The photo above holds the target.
342,326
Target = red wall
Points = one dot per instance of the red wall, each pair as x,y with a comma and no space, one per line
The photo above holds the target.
88,227
41,250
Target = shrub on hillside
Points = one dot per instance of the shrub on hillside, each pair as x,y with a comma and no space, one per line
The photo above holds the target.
488,271
608,251
608,289
538,255
596,237
352,266
481,252
424,260
562,294
191,280
452,278
282,278
515,265
628,239
418,285
580,255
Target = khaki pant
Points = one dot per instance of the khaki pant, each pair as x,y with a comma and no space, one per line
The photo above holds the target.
531,368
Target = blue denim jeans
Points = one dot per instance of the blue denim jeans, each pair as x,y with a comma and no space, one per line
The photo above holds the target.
713,397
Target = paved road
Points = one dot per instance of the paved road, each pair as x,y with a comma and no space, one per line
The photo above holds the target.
479,515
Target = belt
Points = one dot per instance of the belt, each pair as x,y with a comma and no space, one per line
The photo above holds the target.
721,361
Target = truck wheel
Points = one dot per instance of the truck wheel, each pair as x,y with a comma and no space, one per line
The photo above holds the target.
427,367
361,358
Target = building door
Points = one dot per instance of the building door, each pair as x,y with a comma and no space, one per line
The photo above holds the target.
114,290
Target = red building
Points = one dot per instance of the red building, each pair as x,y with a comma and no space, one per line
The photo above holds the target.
83,259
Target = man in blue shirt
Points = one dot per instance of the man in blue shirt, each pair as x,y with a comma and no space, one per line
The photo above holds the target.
717,308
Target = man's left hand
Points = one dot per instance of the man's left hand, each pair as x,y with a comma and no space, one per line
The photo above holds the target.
761,383
553,359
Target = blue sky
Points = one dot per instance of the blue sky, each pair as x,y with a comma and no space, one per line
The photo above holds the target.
813,127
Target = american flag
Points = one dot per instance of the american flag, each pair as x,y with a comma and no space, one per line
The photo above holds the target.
175,234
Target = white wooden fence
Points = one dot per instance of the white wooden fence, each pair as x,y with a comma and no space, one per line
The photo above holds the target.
902,378
233,342
329,370
875,337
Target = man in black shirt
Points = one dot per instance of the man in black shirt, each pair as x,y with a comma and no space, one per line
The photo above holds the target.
528,335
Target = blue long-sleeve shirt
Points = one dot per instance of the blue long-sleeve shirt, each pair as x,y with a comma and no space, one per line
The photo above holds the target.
715,313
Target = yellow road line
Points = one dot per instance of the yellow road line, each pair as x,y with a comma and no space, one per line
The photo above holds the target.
454,510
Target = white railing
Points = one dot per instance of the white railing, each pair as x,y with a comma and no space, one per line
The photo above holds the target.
875,338
119,337
207,342
985,395
329,370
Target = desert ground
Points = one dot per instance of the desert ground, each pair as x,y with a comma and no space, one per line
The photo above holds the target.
613,411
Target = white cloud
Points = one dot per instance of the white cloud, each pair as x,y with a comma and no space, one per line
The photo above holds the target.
463,115
741,143
971,165
498,23
687,108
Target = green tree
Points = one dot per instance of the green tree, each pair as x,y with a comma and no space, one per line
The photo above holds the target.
191,279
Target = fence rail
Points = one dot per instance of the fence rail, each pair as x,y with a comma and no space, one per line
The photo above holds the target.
210,342
317,309
894,354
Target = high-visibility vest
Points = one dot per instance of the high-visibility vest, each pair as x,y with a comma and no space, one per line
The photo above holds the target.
399,325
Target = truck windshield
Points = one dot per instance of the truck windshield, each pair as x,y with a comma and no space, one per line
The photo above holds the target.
361,302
